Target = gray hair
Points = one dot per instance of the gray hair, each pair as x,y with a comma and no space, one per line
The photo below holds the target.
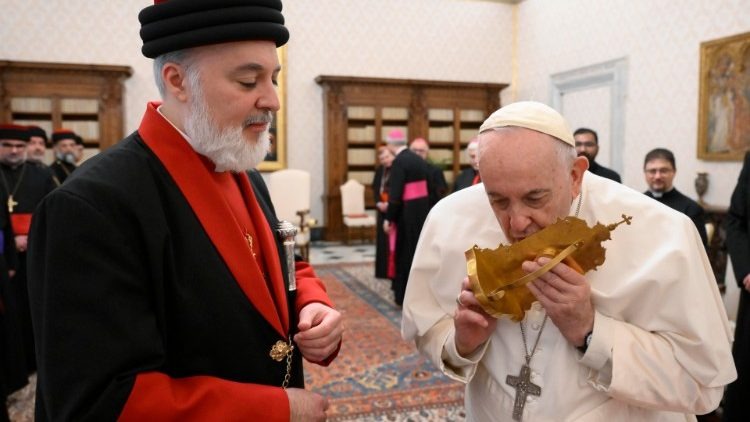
180,57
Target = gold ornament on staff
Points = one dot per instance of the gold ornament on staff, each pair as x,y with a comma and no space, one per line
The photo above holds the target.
499,282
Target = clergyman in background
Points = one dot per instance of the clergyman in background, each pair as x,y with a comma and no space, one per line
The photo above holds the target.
659,168
587,145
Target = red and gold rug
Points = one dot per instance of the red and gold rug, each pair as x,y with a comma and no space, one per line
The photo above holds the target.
378,376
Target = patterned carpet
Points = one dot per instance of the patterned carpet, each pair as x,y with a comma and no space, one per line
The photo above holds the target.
378,376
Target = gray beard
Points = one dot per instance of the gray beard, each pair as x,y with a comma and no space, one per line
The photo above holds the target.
227,149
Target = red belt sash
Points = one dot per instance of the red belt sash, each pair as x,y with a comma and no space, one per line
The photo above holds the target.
20,223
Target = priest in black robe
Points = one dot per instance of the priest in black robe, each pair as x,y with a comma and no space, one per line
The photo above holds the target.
659,169
13,305
22,187
587,145
64,142
159,286
409,202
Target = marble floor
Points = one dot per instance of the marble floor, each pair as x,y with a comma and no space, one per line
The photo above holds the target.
323,252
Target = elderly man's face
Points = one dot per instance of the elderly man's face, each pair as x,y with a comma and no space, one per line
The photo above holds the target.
36,148
65,146
420,147
526,182
227,96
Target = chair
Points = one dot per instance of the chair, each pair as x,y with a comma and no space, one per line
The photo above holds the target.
290,193
356,220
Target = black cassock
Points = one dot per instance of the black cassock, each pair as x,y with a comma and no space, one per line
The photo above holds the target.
62,170
737,397
465,179
28,184
676,200
409,172
380,186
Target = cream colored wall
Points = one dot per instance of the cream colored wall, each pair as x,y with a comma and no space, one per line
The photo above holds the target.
457,40
436,39
418,39
661,40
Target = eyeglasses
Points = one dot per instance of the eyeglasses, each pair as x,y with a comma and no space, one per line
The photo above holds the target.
653,172
585,144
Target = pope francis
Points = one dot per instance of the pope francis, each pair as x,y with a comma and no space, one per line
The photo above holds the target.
644,337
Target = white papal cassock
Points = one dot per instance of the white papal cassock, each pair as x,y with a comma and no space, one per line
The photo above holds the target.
660,349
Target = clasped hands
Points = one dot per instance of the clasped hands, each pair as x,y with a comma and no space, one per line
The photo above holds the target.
563,293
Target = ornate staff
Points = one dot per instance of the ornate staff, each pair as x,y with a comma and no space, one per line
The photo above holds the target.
287,231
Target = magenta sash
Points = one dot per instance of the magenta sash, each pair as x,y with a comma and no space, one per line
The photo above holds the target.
415,190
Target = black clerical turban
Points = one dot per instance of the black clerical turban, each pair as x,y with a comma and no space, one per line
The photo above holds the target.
63,134
14,132
37,131
171,25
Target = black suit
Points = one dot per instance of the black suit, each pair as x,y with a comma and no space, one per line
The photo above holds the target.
676,200
602,171
737,398
465,179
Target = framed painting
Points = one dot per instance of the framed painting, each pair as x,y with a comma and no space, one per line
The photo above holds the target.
276,157
724,103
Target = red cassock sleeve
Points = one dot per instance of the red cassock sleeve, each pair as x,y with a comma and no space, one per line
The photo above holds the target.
157,397
311,289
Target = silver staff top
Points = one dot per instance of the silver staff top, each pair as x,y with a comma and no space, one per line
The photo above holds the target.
287,232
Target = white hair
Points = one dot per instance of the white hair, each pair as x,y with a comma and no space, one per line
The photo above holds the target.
180,57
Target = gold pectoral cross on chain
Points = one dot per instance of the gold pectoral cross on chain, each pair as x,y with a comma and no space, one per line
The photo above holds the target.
524,387
11,203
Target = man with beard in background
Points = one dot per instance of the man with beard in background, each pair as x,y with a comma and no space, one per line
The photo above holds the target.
37,146
179,305
587,145
63,144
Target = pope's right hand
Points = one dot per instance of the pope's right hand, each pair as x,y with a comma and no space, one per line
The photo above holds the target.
473,325
306,406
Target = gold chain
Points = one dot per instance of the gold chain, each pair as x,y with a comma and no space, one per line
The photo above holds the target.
288,375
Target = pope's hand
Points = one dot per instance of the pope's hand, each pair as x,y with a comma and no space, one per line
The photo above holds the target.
473,325
306,405
320,328
566,297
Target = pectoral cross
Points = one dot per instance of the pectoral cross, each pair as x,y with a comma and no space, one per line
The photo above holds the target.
524,387
11,203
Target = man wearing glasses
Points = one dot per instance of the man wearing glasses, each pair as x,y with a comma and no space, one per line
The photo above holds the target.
587,145
659,168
